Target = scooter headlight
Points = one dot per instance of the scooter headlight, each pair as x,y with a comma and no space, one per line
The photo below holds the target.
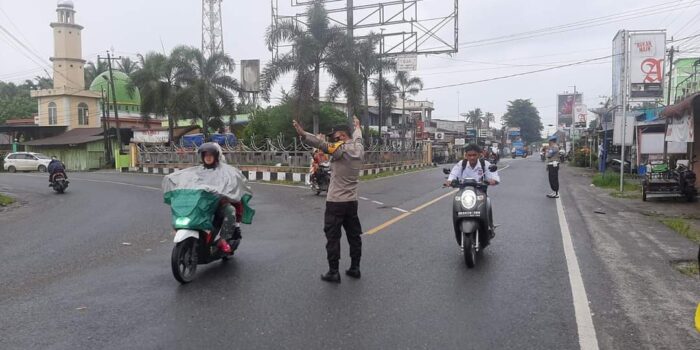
468,199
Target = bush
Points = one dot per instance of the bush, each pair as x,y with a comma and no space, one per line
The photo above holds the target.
582,158
612,181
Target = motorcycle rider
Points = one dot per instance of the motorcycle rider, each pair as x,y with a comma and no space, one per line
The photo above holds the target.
230,223
56,167
318,158
553,166
475,168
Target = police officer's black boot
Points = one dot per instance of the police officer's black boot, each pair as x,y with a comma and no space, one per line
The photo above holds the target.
354,270
332,275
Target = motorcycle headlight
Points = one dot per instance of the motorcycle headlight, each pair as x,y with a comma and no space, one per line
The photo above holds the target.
468,199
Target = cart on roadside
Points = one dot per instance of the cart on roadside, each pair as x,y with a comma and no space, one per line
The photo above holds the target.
660,181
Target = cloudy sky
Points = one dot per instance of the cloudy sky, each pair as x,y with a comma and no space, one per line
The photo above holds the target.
137,26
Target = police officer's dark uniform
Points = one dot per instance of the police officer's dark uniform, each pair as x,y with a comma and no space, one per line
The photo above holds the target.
341,201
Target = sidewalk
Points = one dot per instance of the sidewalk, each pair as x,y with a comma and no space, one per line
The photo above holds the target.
628,257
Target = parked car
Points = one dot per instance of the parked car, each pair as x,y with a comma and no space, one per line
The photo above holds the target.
26,161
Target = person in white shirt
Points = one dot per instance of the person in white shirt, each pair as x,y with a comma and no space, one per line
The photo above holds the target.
474,167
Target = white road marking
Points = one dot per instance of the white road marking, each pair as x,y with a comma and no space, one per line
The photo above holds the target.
400,210
378,203
72,178
364,199
584,321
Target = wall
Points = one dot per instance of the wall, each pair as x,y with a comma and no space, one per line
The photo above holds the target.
94,117
77,158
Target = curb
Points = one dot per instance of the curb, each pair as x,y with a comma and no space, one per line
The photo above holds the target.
269,175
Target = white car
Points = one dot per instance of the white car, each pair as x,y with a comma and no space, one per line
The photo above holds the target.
26,161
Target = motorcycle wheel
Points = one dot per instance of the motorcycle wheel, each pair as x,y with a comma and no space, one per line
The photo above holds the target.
469,249
184,260
60,189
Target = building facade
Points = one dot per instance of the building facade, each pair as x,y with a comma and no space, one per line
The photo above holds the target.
68,104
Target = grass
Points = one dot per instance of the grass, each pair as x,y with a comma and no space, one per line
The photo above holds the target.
5,200
612,181
390,173
684,228
688,268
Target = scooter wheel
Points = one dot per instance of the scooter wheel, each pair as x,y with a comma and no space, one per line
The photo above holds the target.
469,249
184,260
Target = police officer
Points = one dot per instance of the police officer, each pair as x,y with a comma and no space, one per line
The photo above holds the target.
346,153
553,166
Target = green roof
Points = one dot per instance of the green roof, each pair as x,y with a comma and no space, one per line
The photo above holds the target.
121,82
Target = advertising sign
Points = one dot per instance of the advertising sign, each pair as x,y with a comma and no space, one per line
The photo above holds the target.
471,133
150,136
629,130
681,129
459,142
565,108
647,52
407,63
580,115
619,54
250,75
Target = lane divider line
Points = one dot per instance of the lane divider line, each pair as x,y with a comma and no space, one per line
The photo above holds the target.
584,321
378,203
407,214
364,199
400,210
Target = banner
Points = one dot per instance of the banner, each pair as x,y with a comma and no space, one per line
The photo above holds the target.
581,115
250,75
565,108
647,53
681,129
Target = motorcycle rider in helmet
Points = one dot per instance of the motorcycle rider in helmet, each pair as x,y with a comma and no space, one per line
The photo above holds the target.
56,167
211,155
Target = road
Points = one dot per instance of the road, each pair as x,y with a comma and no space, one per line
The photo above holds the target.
90,269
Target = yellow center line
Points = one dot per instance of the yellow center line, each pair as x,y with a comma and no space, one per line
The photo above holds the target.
405,215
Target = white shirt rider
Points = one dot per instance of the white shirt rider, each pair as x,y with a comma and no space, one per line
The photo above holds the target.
475,171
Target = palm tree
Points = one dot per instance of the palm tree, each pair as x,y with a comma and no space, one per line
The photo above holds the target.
474,118
406,85
489,118
387,98
91,71
156,83
207,88
128,66
314,49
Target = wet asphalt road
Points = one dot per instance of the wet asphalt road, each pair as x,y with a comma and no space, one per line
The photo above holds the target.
69,282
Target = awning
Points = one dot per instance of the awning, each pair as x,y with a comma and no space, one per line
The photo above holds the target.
72,137
682,108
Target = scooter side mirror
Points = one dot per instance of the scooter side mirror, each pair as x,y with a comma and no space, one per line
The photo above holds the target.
446,171
493,168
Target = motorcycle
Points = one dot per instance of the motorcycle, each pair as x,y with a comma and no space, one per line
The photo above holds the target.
471,216
542,156
493,158
196,233
321,179
59,183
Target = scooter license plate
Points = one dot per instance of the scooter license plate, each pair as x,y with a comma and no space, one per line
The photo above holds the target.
469,214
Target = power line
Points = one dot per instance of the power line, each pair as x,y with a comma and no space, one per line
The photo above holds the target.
518,74
592,22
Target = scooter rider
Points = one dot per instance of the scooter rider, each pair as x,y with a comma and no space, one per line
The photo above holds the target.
56,167
475,168
211,155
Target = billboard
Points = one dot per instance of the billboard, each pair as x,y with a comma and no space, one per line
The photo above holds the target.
580,115
565,108
647,53
250,75
618,67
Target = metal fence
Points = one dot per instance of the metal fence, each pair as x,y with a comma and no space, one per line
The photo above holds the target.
298,157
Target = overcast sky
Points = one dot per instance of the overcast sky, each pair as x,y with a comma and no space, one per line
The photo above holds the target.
138,26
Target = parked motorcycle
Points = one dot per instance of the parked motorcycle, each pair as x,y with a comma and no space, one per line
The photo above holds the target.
321,179
196,234
59,182
471,216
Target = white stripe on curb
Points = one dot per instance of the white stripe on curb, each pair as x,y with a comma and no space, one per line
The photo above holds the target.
584,321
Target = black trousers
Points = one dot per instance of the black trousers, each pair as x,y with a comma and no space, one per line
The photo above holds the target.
342,214
553,177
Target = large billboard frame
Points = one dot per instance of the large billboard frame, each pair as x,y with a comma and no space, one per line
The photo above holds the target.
566,103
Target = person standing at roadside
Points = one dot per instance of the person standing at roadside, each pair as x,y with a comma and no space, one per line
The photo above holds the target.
553,166
346,152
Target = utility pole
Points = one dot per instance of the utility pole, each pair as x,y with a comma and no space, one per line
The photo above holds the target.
351,35
114,97
668,101
625,102
108,154
381,85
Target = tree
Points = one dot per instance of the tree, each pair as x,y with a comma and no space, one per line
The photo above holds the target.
387,96
489,118
474,118
406,85
128,66
92,71
15,101
156,83
207,91
317,48
523,114
370,62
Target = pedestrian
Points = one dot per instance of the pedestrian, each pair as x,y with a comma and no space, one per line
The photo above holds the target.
346,152
553,166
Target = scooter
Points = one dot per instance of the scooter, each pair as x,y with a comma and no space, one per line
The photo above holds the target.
322,178
59,183
472,217
194,244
